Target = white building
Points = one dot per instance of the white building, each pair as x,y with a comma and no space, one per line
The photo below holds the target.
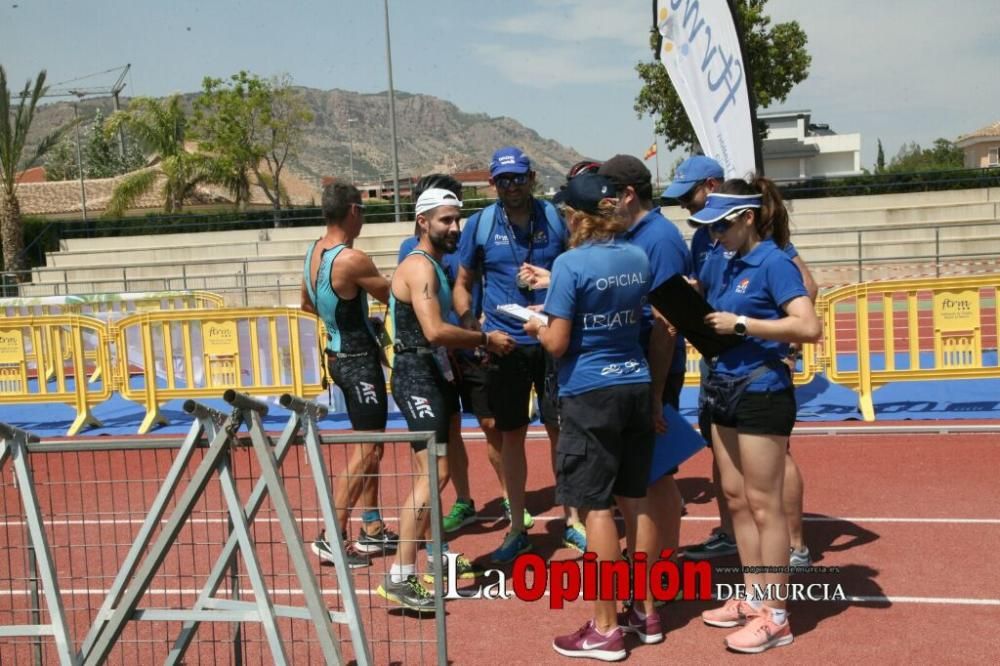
797,149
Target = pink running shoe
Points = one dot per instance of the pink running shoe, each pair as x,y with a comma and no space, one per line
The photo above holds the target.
647,629
589,642
760,634
734,613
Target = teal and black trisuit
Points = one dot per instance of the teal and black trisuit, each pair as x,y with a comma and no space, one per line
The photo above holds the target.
422,379
352,352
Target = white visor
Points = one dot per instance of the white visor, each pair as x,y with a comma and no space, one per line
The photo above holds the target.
435,197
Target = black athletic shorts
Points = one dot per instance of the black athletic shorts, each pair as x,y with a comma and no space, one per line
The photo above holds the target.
426,398
766,413
605,446
509,385
472,386
362,380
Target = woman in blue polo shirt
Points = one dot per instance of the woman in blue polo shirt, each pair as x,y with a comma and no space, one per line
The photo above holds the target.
594,307
758,293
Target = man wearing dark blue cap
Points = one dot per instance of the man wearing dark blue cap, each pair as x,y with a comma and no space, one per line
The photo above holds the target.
495,244
668,256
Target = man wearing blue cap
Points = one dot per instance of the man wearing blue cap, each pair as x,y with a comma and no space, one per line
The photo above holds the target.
495,244
696,178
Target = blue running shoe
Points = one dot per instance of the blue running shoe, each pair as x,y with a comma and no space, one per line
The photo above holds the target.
514,543
575,537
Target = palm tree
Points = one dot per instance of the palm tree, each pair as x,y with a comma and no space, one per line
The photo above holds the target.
12,142
160,127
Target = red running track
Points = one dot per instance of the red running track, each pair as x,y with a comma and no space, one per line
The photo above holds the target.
911,521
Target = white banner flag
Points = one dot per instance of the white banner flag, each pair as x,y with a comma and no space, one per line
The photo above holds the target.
701,52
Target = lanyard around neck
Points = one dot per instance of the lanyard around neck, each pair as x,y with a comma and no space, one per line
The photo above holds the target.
513,237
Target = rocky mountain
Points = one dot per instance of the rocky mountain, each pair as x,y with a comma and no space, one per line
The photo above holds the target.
432,134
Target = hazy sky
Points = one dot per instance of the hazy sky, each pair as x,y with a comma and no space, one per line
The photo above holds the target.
899,70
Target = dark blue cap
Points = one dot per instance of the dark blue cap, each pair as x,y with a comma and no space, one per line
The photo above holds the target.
585,192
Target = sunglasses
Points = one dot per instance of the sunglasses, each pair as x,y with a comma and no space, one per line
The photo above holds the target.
722,226
503,182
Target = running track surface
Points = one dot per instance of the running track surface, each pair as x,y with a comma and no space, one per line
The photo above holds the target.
911,521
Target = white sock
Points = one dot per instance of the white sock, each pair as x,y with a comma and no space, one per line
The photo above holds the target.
610,630
755,604
779,615
400,572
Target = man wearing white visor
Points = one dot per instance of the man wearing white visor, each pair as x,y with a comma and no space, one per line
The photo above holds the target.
423,383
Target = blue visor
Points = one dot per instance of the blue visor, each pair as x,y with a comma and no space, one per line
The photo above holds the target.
720,206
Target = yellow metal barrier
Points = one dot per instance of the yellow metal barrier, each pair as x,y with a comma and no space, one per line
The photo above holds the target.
106,307
31,346
168,355
910,330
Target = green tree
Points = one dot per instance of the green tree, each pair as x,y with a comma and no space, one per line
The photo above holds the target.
942,156
159,126
776,57
880,158
60,162
252,126
101,153
14,126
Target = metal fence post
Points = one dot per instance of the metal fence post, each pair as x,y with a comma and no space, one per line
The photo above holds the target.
36,608
435,451
937,251
861,269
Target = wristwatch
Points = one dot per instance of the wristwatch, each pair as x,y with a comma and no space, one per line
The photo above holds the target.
740,327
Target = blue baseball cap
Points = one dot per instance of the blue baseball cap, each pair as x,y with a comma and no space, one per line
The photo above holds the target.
692,171
728,206
509,160
585,192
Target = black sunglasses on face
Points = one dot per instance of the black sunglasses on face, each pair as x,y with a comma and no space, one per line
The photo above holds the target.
503,182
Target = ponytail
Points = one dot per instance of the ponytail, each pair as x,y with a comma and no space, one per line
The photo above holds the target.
773,219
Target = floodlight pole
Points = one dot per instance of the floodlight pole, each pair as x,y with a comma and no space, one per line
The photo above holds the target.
79,153
392,115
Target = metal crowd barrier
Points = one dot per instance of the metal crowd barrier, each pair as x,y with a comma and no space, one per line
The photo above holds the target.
47,359
948,329
195,551
164,356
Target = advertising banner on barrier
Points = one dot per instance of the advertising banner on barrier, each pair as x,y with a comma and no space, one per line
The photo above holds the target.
701,51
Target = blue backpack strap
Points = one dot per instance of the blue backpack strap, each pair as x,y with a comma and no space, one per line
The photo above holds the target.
306,277
484,227
553,218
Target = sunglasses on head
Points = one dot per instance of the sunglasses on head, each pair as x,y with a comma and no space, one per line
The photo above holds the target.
503,182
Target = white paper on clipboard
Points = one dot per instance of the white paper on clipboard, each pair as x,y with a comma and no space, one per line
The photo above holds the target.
521,313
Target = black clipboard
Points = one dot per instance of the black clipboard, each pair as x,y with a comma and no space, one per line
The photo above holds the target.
685,308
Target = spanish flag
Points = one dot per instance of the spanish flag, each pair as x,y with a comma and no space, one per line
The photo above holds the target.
650,152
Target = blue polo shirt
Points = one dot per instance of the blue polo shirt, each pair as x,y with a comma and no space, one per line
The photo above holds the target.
506,249
450,265
756,286
668,255
701,246
600,288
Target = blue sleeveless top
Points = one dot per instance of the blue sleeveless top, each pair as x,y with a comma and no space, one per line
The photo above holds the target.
347,327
